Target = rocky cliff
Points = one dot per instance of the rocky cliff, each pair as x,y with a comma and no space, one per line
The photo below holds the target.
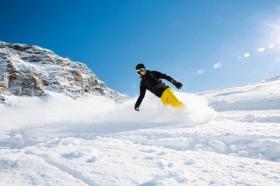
28,70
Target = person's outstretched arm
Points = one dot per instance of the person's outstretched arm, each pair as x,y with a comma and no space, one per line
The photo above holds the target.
140,98
168,78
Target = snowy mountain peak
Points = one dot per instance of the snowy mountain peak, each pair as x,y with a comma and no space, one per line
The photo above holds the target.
32,71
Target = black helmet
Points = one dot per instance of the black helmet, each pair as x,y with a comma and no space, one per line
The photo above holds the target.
139,66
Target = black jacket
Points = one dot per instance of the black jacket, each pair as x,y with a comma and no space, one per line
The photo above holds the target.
151,81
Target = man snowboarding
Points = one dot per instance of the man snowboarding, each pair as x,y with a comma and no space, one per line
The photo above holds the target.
150,80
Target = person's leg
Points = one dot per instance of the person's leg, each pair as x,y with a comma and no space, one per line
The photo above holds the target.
164,98
169,98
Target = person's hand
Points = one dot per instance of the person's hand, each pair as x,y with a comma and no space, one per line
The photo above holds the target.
178,85
136,108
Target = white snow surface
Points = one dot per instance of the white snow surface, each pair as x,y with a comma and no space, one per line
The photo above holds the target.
55,140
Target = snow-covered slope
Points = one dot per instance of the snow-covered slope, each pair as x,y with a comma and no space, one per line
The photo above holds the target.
30,70
263,95
56,140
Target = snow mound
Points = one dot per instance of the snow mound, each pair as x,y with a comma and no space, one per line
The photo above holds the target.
262,95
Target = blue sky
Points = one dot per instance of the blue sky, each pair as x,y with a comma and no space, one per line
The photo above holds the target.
204,44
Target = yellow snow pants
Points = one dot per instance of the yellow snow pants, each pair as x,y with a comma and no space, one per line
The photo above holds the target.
168,98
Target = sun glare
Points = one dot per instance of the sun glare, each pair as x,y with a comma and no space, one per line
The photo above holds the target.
274,31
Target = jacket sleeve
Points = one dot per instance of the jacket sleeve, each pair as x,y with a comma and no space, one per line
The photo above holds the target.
164,76
141,96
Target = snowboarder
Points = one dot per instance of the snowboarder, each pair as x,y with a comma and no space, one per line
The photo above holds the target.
150,80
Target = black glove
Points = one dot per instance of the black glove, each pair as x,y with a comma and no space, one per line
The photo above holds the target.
136,108
178,85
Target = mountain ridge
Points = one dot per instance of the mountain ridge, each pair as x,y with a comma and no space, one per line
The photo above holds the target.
29,70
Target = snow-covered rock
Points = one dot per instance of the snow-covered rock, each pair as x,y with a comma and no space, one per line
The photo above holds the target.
31,70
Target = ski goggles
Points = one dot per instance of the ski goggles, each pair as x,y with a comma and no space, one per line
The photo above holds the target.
141,70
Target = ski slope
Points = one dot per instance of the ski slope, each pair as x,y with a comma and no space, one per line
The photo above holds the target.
55,140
